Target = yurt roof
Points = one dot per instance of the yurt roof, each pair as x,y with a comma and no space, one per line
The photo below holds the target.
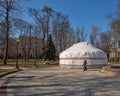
82,49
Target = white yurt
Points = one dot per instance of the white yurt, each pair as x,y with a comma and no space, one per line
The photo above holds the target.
74,56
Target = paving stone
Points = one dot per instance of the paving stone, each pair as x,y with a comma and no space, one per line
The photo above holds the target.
55,81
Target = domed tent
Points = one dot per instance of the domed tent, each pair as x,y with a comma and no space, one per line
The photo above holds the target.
74,56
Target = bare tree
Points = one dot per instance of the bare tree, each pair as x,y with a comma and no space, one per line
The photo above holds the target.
70,38
6,8
30,27
115,32
105,41
24,31
40,21
61,30
81,35
21,27
115,39
48,13
94,35
2,38
42,18
115,26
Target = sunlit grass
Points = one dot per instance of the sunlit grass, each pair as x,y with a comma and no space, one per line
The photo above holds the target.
114,63
27,64
30,63
5,70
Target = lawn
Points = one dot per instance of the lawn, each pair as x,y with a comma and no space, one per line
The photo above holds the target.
28,64
5,70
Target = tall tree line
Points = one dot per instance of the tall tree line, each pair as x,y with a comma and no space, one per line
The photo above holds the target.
45,24
54,23
48,21
7,8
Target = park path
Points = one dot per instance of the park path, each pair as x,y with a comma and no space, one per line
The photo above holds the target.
55,81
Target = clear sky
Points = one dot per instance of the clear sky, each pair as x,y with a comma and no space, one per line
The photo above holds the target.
80,12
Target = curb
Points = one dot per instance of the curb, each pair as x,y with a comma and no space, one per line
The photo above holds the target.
81,66
108,70
10,72
113,73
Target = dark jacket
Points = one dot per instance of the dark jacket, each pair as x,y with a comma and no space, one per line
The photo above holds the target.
85,62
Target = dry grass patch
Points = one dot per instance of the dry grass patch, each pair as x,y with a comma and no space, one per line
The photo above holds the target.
30,63
5,70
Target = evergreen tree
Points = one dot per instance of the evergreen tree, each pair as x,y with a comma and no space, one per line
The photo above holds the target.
49,49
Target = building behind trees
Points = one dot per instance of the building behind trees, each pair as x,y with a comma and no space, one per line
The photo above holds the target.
23,48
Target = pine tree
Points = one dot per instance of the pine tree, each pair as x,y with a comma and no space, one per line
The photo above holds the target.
49,49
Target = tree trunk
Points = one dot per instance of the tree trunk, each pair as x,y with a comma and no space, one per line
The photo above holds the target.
7,37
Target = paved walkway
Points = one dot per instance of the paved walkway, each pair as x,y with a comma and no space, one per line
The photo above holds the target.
55,81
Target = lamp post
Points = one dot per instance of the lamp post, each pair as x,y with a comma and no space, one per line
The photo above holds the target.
18,41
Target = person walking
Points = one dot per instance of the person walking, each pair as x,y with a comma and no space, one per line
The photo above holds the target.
85,65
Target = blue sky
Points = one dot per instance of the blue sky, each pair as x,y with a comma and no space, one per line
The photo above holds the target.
80,12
